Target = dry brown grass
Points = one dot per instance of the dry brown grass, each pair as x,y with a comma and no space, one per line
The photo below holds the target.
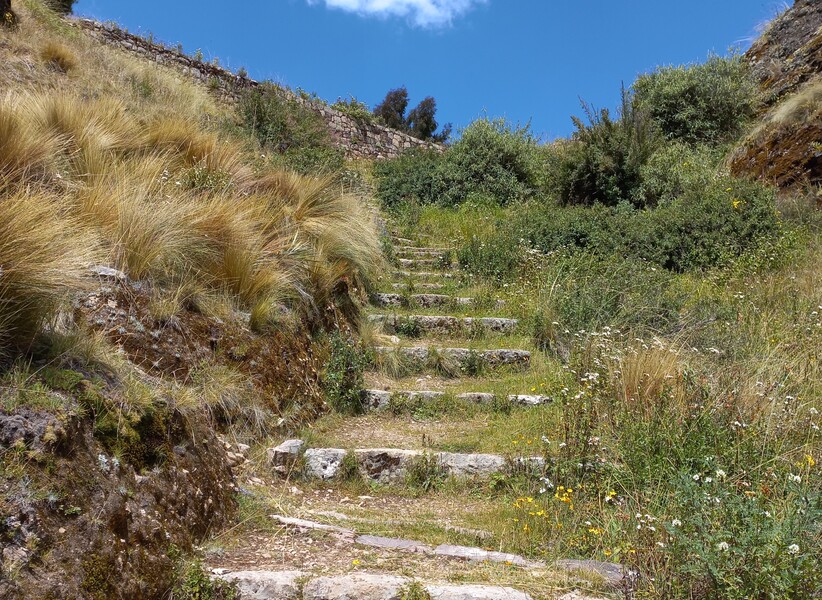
58,57
43,260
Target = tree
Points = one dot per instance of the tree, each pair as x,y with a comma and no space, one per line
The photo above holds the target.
392,109
64,7
420,122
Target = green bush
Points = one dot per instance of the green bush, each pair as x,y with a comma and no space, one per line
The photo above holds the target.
298,134
676,168
195,584
342,379
716,219
706,227
709,102
604,160
411,177
491,159
355,109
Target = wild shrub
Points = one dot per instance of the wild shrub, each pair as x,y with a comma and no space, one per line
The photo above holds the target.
706,227
709,102
355,109
602,164
342,378
194,583
491,158
414,176
295,132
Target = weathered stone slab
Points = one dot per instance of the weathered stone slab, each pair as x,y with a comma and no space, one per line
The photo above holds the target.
530,400
357,586
323,463
384,464
431,287
266,585
431,300
423,274
375,399
387,299
492,324
304,525
470,465
419,263
614,574
480,555
375,541
474,592
283,457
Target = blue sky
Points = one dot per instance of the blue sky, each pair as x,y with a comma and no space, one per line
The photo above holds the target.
525,60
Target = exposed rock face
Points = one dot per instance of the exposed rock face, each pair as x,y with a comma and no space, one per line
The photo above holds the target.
787,59
789,52
106,526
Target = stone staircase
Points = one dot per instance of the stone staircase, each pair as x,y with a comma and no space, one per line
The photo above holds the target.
351,521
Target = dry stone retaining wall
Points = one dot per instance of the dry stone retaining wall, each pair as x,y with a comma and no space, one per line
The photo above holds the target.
356,138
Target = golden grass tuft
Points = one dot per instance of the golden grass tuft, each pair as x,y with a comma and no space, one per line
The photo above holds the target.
26,152
43,259
58,57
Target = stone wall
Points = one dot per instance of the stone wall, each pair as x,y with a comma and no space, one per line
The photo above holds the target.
356,138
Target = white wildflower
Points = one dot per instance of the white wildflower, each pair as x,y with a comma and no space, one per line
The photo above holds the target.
793,549
723,546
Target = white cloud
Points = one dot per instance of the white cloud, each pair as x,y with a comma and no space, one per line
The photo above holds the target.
425,13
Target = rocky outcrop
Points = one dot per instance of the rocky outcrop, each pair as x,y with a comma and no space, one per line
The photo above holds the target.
357,139
789,52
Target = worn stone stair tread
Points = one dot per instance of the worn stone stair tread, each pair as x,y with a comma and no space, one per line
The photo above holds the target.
423,300
493,358
381,399
424,274
304,525
285,585
446,323
416,263
433,287
389,465
376,541
480,555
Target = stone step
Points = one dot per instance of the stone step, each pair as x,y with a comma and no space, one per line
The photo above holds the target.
444,324
416,358
424,275
416,264
431,287
381,399
299,585
422,300
418,251
390,465
402,241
